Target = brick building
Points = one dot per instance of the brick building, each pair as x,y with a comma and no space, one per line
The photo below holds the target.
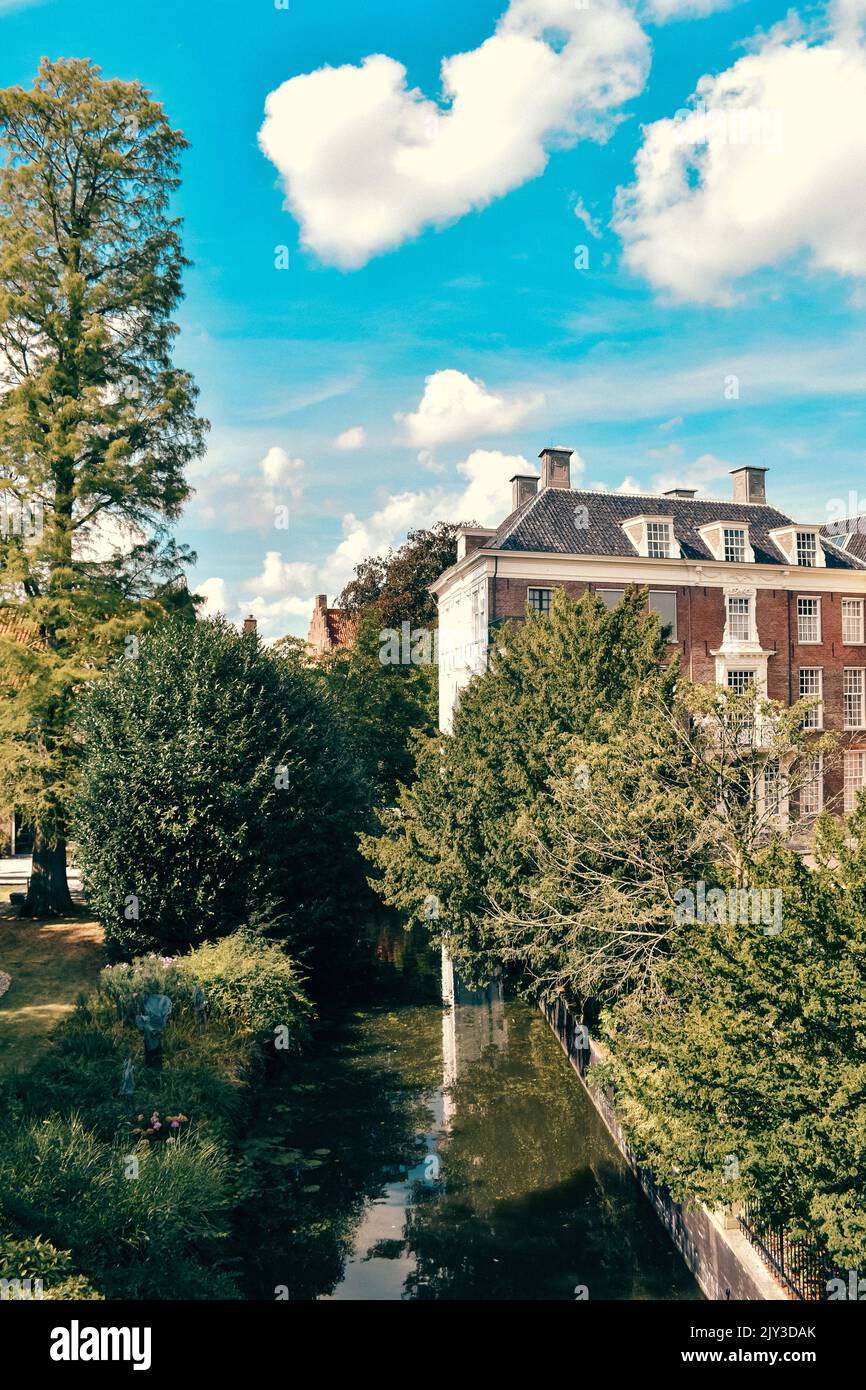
329,628
748,594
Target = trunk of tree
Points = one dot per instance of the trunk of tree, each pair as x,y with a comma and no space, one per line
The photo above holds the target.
48,894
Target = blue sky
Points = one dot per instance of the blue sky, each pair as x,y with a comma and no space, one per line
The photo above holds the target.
432,330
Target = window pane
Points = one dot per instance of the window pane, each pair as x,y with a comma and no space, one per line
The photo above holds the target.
852,698
740,680
734,544
808,620
852,620
812,787
658,536
665,604
855,775
807,548
739,625
810,684
539,600
610,597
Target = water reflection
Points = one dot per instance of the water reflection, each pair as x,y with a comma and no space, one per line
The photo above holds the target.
454,1156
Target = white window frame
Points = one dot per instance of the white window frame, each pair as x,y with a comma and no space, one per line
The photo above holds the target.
739,549
857,605
809,641
806,545
861,672
814,717
780,810
659,540
853,758
742,671
815,789
747,614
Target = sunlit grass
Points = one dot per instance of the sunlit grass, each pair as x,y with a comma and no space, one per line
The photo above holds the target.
50,963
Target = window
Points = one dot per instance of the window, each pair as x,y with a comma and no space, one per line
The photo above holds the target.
773,789
539,600
811,683
610,597
852,698
812,786
855,778
734,544
739,619
808,620
477,615
852,620
664,602
807,549
658,540
740,681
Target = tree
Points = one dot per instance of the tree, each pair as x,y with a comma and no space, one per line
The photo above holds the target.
96,424
748,1079
397,585
217,792
458,846
690,793
382,707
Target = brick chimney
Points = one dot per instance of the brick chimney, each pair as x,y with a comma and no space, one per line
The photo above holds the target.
687,493
321,601
556,467
250,625
523,486
749,484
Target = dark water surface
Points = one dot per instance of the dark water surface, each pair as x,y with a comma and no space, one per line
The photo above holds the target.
430,1152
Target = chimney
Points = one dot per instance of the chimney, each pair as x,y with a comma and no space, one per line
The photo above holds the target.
556,467
687,493
523,486
321,601
250,625
749,484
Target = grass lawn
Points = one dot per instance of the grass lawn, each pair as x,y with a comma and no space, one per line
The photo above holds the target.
50,964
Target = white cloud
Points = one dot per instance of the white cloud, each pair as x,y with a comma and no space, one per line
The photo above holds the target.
351,439
237,500
215,595
709,206
705,469
106,537
278,575
664,10
583,215
456,406
367,162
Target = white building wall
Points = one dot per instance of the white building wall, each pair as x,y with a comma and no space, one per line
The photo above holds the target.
463,621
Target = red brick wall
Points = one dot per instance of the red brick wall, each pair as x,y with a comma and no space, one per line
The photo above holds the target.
700,624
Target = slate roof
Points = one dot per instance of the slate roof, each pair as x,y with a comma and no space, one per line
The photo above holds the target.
855,529
546,523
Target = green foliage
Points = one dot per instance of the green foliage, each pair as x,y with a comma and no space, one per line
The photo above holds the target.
153,1235
749,1079
96,424
381,707
397,585
216,792
251,984
36,1258
457,847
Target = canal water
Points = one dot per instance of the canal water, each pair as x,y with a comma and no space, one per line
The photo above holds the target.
430,1151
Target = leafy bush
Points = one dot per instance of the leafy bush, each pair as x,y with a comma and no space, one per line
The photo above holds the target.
216,789
125,985
146,1223
250,982
35,1258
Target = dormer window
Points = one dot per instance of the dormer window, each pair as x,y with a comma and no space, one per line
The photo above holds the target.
807,549
729,542
800,545
653,537
734,544
658,540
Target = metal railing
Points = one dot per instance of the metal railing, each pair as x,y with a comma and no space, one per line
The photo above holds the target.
801,1265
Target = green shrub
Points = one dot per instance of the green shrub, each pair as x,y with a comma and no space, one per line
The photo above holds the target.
124,986
251,983
141,1222
37,1259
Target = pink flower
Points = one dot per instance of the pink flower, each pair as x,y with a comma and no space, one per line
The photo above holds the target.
157,1125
